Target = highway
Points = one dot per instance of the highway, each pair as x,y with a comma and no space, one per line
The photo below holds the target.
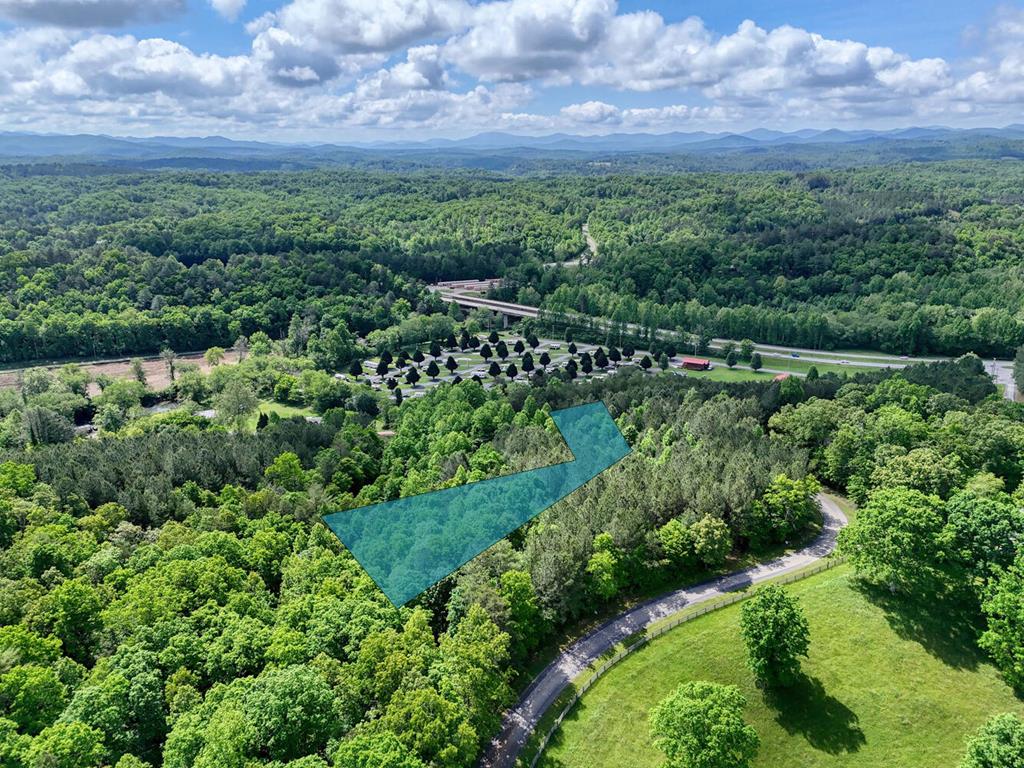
466,295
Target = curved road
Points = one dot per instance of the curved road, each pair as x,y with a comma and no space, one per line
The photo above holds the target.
520,721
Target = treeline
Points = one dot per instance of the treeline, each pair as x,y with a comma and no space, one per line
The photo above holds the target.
112,302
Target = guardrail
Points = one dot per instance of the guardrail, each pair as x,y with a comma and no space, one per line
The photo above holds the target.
660,629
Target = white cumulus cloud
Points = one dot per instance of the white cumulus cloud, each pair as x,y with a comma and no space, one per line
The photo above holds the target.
592,112
455,66
515,40
229,9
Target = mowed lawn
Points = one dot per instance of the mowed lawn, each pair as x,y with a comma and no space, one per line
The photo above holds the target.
284,411
885,687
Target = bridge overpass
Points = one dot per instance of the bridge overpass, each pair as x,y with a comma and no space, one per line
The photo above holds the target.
468,295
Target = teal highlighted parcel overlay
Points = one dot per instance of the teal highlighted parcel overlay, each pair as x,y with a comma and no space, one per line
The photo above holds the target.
409,544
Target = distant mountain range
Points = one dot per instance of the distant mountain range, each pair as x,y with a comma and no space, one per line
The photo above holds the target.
756,149
698,140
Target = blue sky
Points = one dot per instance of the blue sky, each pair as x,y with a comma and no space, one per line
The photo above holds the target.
912,26
364,69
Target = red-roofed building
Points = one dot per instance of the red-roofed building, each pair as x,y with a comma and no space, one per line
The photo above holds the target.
697,363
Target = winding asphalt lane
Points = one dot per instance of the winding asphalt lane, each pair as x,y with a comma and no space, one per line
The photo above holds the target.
520,721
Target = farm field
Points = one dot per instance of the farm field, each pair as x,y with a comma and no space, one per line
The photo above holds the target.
887,684
157,376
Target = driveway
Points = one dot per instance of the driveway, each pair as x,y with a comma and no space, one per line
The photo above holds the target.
520,721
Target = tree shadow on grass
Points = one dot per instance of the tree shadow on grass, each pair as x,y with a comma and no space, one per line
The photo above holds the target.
557,740
806,708
946,626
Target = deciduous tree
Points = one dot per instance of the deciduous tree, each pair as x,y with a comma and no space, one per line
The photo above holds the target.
1004,636
997,744
700,725
895,539
776,634
236,403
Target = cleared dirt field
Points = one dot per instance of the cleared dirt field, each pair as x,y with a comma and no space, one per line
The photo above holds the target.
156,371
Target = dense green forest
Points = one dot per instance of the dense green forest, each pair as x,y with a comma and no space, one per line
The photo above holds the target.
170,597
912,259
915,258
168,593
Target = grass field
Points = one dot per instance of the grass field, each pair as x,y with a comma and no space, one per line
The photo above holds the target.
887,685
284,411
722,373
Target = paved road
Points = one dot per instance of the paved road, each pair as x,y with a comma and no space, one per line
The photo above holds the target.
1001,370
520,721
584,258
591,242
